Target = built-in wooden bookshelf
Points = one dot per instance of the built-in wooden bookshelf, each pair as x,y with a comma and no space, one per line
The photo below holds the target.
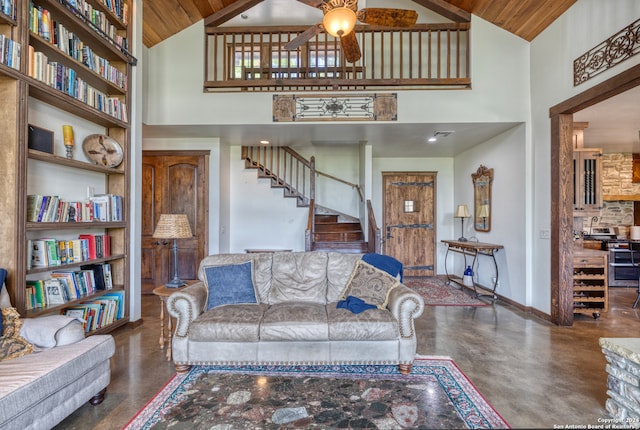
86,88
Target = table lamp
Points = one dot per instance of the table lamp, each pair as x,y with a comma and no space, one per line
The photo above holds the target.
173,226
462,212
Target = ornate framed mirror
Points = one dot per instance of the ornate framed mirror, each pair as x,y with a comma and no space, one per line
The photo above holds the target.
482,180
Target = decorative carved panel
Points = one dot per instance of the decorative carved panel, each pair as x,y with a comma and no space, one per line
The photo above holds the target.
365,107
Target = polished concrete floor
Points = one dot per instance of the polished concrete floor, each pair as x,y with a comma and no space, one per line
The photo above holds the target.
535,374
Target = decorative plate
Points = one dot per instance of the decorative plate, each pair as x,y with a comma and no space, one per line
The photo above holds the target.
102,150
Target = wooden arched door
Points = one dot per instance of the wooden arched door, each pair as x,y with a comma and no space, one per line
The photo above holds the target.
173,182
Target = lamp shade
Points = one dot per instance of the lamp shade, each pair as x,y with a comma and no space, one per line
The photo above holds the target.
483,211
462,211
339,21
172,226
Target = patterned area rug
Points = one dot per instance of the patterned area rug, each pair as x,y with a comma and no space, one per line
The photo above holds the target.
436,292
435,395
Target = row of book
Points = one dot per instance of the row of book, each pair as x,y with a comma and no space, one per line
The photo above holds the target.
119,8
50,252
9,52
41,23
65,79
8,7
100,20
99,312
67,285
100,207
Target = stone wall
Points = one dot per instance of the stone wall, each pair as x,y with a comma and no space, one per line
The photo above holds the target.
623,381
617,172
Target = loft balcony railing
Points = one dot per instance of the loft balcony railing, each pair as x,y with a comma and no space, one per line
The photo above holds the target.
254,59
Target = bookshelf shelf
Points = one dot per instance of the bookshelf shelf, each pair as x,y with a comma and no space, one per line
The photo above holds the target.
6,19
101,45
41,91
33,226
72,265
27,100
92,78
63,161
35,312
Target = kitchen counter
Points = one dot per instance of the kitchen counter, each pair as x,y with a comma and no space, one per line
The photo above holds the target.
579,251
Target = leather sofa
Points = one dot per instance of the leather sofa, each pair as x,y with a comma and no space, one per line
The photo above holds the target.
295,318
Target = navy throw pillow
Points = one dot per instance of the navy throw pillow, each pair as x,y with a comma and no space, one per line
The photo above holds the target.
230,284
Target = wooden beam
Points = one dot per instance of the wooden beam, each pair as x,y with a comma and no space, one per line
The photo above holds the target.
561,249
449,11
231,11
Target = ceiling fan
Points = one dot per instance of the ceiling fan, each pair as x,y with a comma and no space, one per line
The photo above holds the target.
340,18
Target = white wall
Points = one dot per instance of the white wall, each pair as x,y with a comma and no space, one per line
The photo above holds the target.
586,24
506,155
260,218
500,74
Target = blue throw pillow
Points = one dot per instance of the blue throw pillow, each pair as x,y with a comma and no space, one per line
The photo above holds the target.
230,284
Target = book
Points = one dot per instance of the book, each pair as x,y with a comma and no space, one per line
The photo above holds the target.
91,245
69,281
51,246
118,297
108,278
34,201
98,274
79,312
38,253
55,292
39,299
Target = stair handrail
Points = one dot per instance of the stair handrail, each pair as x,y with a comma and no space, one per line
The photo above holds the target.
309,164
375,234
311,222
351,184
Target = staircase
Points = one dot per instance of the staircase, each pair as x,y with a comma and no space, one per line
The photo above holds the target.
332,233
327,230
264,172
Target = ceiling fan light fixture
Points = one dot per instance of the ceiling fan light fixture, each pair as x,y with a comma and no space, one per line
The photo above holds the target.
339,21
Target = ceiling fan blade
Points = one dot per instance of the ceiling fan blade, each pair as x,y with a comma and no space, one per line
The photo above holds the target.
350,47
304,37
388,17
312,3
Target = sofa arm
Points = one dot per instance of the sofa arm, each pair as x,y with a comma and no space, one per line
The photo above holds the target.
405,305
185,305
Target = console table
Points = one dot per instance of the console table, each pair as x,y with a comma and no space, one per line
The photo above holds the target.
473,250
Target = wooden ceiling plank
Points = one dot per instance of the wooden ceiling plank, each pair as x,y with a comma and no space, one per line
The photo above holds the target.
162,26
204,7
228,12
166,14
533,25
445,9
524,18
150,36
192,10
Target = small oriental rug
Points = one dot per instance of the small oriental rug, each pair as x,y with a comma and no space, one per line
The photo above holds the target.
436,292
435,395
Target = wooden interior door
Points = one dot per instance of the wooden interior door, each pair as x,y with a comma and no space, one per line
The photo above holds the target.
173,182
409,220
